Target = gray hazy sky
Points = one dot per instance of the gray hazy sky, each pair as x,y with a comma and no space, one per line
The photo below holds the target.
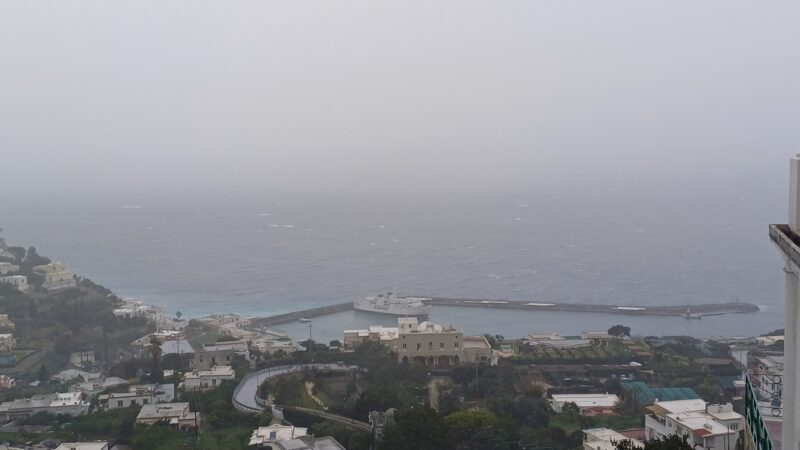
258,95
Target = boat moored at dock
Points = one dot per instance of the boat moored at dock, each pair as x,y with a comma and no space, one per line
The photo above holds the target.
397,306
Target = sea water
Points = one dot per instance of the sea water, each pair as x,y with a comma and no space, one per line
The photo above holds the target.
273,253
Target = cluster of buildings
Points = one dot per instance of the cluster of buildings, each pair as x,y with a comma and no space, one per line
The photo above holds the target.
244,329
588,404
56,277
432,344
177,415
139,395
705,426
68,404
207,379
288,437
556,340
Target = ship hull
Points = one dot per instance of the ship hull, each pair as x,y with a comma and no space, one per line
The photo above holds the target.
395,311
393,306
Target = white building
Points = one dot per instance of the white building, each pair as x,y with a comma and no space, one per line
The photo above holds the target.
7,342
56,276
70,404
588,404
7,382
274,433
219,353
427,343
706,427
176,415
20,282
606,439
287,437
207,379
139,395
7,323
101,445
7,268
95,386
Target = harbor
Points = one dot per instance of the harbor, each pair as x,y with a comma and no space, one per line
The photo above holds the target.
689,311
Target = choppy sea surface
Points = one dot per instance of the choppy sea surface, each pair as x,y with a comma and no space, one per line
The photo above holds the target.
269,254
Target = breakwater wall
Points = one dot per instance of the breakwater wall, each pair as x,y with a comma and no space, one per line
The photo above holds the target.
694,310
702,309
303,314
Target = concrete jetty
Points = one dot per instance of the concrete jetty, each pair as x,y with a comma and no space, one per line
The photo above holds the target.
693,311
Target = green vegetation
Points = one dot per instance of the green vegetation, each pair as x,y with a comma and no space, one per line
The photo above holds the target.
600,351
67,321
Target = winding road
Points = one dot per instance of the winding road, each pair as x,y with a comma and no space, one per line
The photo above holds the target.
244,396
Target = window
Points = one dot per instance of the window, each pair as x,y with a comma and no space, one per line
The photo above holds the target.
213,381
133,402
456,344
419,346
119,403
404,345
430,345
441,344
144,402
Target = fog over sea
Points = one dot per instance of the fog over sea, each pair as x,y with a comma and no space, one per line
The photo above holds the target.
270,254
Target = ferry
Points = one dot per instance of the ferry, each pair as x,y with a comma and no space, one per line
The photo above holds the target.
689,315
397,306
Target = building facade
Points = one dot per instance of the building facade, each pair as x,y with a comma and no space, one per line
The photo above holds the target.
207,379
219,353
706,427
588,404
428,343
69,403
176,415
138,395
56,276
20,282
606,439
7,268
7,342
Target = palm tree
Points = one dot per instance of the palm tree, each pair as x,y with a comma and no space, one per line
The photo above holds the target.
155,351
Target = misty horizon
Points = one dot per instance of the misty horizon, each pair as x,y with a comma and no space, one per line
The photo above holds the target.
351,97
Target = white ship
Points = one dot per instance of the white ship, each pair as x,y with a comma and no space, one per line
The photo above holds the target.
398,306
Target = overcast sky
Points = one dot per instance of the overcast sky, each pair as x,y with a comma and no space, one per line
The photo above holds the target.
260,95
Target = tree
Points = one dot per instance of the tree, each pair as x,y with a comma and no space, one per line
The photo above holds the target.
178,314
672,442
619,331
571,410
32,258
335,343
471,426
418,428
43,374
155,351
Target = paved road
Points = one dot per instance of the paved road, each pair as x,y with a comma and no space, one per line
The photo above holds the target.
244,396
